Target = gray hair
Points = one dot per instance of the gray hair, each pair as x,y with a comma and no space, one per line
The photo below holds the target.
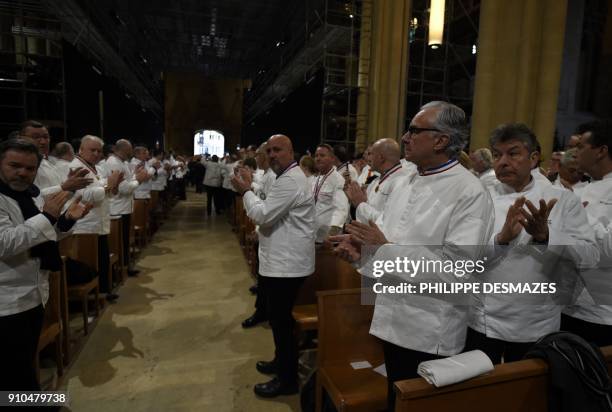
515,131
485,156
91,138
568,157
62,149
450,120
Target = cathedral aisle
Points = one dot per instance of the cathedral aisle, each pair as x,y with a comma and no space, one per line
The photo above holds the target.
173,341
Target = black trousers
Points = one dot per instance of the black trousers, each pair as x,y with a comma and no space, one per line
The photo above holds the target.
401,363
103,263
125,223
211,197
600,335
496,348
18,350
280,295
261,300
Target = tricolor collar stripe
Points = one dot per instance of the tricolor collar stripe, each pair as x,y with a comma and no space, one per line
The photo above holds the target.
439,169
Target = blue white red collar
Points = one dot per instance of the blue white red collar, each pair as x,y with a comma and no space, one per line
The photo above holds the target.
439,169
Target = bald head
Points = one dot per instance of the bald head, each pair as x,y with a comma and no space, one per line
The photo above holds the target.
123,149
384,154
280,152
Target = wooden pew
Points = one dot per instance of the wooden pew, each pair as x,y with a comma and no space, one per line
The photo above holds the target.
53,324
331,273
139,221
84,248
115,248
510,387
344,325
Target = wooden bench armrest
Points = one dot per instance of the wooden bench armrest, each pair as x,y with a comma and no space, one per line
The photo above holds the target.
419,388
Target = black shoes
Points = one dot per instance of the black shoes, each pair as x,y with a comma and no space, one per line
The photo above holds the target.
111,297
253,320
133,272
275,388
253,289
267,368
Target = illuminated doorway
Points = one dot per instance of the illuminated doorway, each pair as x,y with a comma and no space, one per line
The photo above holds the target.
209,142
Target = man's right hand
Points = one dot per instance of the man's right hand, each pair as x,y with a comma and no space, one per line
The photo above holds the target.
55,203
141,174
113,180
512,226
76,180
355,194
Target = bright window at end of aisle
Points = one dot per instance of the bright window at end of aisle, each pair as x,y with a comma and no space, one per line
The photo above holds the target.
209,142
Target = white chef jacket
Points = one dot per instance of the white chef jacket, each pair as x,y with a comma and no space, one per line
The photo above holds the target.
23,285
97,221
143,191
488,178
228,172
448,208
286,226
379,191
62,167
537,175
367,172
598,282
578,188
48,179
212,177
161,177
123,202
571,244
332,205
101,168
262,187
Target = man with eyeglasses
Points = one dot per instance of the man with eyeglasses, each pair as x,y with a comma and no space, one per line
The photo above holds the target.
49,179
444,205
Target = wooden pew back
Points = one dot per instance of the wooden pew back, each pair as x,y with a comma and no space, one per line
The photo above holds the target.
331,273
513,386
344,328
344,337
81,247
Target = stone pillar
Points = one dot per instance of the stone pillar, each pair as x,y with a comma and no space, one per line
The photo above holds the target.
388,69
518,70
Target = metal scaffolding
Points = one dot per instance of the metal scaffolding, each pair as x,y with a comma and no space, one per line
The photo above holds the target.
446,73
31,67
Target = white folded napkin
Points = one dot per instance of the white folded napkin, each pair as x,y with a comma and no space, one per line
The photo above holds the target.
442,372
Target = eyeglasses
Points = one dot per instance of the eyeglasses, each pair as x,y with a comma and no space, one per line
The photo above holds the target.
413,130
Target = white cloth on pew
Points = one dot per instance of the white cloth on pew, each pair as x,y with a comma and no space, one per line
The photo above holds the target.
454,369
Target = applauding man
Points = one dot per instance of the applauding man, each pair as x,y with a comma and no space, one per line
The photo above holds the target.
286,255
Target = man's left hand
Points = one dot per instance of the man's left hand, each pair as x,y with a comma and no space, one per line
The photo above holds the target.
368,234
535,221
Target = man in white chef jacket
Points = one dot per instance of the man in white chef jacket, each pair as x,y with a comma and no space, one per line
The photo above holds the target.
385,159
98,193
261,190
49,179
541,234
122,204
29,229
591,315
286,221
332,205
570,175
443,204
482,163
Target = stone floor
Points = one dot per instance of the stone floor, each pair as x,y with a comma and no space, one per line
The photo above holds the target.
173,341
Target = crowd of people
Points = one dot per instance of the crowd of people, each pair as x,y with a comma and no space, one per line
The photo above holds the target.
532,226
76,188
430,199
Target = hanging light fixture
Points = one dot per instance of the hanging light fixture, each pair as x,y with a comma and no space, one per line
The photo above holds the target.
436,23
